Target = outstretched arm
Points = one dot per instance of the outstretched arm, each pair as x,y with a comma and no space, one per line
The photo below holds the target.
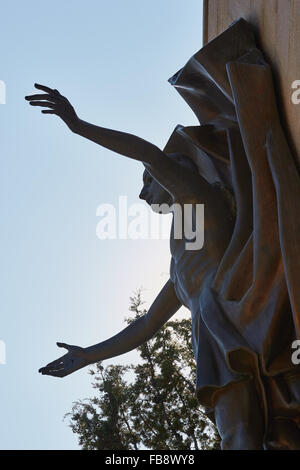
120,142
141,330
165,169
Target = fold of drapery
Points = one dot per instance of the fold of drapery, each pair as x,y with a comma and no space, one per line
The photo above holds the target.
252,314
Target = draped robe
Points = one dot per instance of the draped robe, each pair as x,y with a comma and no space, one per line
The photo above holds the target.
251,311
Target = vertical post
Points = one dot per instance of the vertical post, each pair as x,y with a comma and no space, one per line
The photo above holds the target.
205,22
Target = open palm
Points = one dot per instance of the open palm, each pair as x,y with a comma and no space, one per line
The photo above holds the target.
75,359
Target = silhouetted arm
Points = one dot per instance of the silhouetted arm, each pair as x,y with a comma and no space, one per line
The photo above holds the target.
141,330
164,307
176,179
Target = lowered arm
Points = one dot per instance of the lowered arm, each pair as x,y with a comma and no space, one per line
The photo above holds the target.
141,330
165,305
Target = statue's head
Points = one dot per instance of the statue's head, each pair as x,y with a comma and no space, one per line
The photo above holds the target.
153,193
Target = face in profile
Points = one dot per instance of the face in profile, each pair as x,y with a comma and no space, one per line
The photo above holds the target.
153,193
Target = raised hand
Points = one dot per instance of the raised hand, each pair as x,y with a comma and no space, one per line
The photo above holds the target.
57,103
75,359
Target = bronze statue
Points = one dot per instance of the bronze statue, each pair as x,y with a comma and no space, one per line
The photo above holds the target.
242,287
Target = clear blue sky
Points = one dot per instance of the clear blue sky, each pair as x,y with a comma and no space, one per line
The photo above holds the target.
59,282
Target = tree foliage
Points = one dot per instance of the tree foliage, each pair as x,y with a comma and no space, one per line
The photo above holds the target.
150,405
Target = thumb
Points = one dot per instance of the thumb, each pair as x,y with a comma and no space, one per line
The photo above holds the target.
76,350
64,345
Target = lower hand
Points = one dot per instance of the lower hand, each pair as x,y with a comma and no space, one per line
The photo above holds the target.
75,359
